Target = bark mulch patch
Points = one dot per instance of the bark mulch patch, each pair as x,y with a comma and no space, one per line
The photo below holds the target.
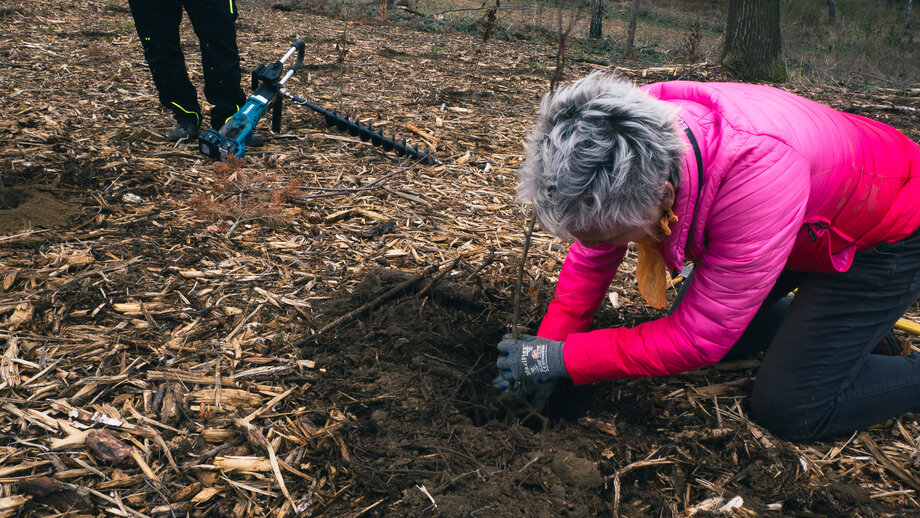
311,332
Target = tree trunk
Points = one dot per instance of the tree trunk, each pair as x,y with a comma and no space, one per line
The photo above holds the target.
631,29
383,10
832,11
910,3
596,31
753,41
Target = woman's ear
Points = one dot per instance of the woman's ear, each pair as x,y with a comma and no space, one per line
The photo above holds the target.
668,195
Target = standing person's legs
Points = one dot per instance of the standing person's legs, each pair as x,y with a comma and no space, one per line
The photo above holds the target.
157,23
818,377
215,24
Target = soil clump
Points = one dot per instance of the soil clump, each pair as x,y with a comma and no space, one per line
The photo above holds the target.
27,207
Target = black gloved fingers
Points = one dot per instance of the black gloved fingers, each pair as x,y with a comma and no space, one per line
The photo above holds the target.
505,362
507,345
541,392
500,384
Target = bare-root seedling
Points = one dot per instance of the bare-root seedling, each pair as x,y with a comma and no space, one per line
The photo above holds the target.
241,197
341,52
556,78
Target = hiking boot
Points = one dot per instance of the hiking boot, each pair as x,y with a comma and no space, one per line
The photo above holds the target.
187,130
890,345
255,141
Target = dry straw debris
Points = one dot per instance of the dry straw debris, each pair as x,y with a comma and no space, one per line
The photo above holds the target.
149,312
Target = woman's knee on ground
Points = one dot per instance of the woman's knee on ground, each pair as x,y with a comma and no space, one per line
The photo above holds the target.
787,414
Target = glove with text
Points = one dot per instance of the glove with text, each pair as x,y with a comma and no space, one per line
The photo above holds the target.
528,368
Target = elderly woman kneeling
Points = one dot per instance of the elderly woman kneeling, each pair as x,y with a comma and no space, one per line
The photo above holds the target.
764,192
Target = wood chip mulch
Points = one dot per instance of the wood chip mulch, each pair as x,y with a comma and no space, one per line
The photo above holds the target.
150,300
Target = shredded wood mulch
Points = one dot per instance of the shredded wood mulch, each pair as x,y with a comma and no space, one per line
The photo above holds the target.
311,331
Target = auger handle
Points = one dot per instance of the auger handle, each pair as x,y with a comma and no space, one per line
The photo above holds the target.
299,47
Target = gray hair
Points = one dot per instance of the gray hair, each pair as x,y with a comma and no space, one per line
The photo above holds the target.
597,159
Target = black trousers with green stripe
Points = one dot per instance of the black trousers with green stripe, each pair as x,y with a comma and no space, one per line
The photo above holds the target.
157,23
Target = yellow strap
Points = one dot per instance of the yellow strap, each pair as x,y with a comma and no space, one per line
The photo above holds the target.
908,325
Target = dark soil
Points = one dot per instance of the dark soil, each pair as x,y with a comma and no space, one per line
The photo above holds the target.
36,206
413,380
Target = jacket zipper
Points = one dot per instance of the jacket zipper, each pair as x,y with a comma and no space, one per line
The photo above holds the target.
810,226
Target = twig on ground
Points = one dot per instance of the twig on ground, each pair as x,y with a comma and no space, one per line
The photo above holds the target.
905,476
23,234
392,292
439,276
488,260
333,191
626,469
239,222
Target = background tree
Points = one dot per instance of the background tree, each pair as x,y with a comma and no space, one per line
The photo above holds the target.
832,11
631,29
910,4
753,41
596,31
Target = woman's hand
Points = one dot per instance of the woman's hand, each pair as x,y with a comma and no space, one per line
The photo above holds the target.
529,367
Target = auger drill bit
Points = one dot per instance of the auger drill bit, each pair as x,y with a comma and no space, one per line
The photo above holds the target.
366,133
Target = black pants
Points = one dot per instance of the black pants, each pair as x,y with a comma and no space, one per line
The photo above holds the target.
818,377
157,23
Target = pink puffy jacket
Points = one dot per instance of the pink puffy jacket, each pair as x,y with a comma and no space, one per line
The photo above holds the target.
787,183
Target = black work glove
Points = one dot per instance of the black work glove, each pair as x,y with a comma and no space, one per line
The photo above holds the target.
529,367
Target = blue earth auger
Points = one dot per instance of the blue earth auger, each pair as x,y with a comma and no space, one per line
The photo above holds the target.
269,92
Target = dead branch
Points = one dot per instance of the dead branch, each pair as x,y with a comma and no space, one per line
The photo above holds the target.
389,294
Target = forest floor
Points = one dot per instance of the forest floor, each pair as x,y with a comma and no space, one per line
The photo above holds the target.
170,330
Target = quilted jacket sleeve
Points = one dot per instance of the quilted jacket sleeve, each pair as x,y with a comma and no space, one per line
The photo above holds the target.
583,282
750,227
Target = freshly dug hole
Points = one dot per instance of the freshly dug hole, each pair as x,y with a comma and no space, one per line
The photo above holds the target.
411,381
